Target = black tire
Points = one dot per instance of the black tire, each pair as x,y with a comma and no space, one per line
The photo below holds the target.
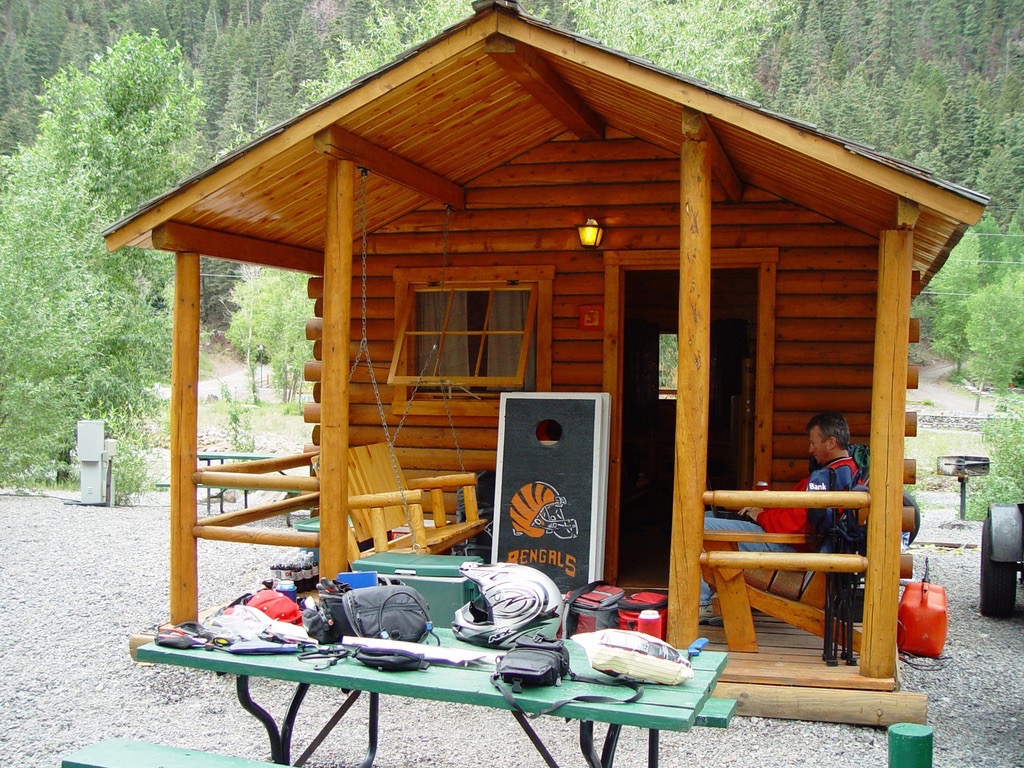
998,580
910,501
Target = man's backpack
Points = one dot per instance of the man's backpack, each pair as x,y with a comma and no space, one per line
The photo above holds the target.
839,528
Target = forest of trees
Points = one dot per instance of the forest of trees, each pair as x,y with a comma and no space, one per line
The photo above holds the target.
157,89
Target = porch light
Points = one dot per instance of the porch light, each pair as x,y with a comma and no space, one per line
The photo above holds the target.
590,234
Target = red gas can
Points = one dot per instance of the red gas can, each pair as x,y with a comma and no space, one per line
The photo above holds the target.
923,619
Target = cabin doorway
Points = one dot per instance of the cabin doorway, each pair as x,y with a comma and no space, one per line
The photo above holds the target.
649,398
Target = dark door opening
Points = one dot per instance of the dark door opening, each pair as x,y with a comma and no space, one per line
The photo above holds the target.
649,397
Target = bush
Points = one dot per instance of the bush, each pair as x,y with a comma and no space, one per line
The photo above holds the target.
240,433
133,463
1004,437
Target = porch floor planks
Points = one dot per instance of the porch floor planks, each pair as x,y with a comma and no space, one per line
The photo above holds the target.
788,656
787,679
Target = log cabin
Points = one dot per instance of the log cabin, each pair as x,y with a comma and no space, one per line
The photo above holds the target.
777,259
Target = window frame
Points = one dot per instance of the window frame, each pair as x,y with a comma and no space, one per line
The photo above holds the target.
407,280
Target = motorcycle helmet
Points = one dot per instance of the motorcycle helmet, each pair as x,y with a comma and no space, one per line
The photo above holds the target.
515,600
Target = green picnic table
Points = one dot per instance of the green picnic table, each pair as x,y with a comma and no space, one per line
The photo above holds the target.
662,708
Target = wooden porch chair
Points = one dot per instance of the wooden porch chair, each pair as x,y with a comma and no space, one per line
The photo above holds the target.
382,499
789,586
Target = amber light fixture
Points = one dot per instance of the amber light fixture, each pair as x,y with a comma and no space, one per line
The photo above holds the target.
590,234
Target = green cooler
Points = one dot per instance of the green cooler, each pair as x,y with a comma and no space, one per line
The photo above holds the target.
436,577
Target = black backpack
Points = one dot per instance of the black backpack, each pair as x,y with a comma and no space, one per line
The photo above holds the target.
840,528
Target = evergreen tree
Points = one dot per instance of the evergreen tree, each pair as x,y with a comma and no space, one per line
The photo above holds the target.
44,37
237,121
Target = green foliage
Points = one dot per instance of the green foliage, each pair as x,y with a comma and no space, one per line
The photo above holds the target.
85,332
240,433
1004,440
946,302
387,32
271,308
136,444
668,360
995,328
715,41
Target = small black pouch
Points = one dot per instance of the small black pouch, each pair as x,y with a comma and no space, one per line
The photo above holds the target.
391,659
533,662
538,661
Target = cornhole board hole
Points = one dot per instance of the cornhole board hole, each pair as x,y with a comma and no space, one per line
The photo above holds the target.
551,488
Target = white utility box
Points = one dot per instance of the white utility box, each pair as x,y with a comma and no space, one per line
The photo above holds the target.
96,454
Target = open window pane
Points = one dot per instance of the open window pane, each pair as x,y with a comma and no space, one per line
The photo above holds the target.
470,335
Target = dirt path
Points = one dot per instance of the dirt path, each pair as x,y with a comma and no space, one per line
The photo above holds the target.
935,394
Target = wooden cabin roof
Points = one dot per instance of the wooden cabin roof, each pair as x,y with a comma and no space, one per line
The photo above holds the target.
491,88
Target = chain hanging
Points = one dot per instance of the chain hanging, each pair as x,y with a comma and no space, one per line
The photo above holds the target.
363,353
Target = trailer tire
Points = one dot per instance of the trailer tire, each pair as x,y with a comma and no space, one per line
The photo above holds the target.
998,580
910,501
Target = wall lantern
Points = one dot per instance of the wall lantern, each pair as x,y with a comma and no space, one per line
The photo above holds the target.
590,234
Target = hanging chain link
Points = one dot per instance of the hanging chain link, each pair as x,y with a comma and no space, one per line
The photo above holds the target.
364,354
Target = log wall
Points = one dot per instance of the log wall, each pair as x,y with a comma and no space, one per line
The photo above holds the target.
526,212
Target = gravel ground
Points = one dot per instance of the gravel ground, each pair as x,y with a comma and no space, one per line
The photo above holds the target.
80,580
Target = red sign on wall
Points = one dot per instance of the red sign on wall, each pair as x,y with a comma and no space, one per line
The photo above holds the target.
591,317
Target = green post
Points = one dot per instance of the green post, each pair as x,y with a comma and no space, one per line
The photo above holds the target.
910,746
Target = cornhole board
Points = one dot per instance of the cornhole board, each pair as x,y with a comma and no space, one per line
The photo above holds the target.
551,488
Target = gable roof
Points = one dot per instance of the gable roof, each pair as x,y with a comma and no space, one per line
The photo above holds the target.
493,87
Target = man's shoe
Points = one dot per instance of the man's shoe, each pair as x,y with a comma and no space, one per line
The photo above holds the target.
706,613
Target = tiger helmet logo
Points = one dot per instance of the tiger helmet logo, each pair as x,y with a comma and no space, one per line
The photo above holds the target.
536,509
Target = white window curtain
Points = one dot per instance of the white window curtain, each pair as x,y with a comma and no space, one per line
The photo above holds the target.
431,311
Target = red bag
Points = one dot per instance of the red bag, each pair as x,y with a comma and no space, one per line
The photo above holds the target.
592,607
630,608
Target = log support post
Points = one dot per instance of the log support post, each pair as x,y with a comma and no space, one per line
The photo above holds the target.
334,530
888,406
184,587
693,380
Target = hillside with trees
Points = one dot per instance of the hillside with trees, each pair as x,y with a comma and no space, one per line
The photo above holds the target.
105,103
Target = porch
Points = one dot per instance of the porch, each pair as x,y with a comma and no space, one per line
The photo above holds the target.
787,679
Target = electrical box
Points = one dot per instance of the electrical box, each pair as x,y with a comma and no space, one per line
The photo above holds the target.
96,454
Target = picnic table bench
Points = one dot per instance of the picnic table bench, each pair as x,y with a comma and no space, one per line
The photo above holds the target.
669,708
211,458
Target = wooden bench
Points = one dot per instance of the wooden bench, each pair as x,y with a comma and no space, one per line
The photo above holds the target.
125,753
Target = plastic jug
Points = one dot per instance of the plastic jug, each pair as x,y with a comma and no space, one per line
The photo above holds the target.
923,618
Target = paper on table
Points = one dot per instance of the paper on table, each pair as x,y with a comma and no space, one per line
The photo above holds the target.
437,654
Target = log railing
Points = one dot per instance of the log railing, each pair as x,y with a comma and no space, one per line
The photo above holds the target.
261,474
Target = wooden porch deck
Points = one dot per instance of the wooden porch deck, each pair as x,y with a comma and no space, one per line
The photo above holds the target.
787,679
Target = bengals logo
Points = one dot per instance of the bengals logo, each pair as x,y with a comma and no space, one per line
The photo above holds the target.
536,509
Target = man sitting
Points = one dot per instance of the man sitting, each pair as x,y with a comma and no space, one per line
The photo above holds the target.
829,448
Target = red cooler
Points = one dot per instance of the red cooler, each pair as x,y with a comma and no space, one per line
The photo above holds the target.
631,606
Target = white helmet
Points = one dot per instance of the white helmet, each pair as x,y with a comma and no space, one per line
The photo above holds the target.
515,600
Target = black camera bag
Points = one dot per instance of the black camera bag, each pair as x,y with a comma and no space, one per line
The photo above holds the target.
393,612
536,662
533,662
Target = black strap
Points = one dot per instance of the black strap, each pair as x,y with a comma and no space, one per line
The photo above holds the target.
588,698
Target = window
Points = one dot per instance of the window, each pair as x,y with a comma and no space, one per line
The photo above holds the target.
483,331
668,365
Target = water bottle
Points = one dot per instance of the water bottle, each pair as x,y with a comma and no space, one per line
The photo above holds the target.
649,623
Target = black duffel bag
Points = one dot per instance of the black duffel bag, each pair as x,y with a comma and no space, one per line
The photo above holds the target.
391,612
